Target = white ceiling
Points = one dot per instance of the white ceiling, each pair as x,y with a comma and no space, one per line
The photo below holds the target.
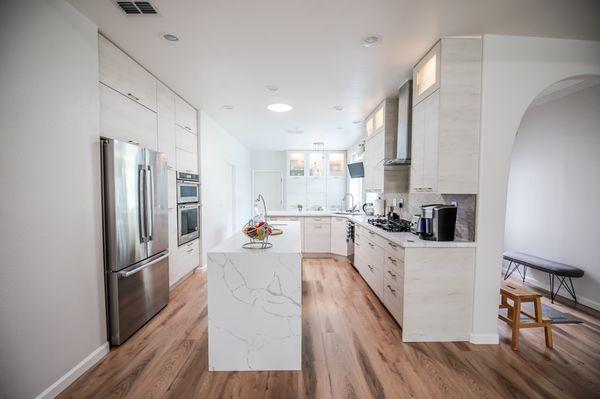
311,49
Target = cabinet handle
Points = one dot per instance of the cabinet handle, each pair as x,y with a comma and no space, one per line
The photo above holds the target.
392,259
392,245
318,226
393,291
371,245
188,170
319,219
371,267
370,232
357,244
130,95
391,274
188,128
190,250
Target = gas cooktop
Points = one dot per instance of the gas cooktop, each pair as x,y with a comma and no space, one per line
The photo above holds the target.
394,226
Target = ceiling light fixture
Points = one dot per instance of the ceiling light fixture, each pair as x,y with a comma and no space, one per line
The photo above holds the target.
340,128
272,88
357,122
279,107
338,107
371,40
171,37
295,130
228,107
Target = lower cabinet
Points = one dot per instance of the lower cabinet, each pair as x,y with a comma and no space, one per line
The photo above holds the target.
339,246
317,235
184,259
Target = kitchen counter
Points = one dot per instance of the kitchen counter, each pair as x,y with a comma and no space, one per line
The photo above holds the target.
255,303
407,240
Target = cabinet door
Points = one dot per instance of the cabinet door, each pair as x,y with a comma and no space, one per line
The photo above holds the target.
336,188
417,147
369,126
336,164
166,123
172,189
296,164
374,166
378,117
186,161
427,74
339,246
430,157
123,74
126,120
185,140
185,115
296,192
317,237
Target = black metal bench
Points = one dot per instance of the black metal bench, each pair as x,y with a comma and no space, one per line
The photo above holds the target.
554,269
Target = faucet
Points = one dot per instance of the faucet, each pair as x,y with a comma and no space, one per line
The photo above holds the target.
344,201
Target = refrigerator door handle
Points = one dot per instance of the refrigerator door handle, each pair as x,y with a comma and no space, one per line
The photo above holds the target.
142,267
142,202
150,206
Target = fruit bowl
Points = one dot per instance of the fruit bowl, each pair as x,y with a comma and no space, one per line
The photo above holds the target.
258,230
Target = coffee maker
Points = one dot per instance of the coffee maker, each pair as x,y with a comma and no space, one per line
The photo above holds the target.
438,222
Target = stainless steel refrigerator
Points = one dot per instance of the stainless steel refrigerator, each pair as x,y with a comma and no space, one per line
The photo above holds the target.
134,191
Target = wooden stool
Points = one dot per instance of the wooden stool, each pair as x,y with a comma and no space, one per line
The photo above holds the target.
520,295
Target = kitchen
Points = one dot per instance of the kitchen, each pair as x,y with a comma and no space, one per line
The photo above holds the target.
329,230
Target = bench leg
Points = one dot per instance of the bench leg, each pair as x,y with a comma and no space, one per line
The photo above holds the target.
516,319
524,273
551,277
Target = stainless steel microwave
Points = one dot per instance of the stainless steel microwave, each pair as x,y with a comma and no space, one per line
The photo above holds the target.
188,188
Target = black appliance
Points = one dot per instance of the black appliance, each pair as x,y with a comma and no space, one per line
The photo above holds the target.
438,222
350,241
356,170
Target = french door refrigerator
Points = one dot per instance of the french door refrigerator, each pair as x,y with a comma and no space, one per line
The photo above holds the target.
134,190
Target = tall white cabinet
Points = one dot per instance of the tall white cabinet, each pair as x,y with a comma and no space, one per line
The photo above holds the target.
138,108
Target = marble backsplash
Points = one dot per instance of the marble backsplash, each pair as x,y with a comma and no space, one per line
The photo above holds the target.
465,218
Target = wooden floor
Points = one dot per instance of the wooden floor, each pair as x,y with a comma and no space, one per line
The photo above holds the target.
351,349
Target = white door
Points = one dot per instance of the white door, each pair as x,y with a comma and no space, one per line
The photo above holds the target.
268,183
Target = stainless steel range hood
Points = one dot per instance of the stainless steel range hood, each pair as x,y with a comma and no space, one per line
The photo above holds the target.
404,133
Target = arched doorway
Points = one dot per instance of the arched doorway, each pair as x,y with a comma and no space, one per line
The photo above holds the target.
515,71
554,184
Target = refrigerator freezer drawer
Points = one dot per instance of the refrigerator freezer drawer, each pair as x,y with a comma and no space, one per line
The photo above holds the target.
136,294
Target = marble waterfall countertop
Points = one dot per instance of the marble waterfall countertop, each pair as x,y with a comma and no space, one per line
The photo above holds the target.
407,240
255,303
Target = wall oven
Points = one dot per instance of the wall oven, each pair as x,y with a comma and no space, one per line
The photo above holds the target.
187,218
188,188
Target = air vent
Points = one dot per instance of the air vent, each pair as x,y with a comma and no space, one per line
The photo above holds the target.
137,7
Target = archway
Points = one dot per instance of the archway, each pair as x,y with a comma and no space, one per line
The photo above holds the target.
515,71
553,184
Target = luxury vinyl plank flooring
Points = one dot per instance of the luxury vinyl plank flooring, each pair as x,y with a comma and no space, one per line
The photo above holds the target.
352,348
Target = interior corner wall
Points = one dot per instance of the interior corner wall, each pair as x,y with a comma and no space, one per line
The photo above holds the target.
52,312
219,152
515,70
553,189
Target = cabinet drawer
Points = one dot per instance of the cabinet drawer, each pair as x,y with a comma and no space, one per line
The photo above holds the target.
393,275
393,299
123,74
393,263
286,218
373,275
185,115
394,250
186,161
185,140
318,219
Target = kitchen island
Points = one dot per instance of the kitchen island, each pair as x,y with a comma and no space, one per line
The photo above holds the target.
255,303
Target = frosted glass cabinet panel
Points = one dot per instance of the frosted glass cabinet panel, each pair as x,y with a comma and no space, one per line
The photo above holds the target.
296,162
337,164
316,164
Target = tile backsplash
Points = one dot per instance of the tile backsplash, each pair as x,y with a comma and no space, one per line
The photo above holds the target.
465,218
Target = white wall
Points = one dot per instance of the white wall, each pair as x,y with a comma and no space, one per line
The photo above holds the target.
51,280
515,70
553,189
218,152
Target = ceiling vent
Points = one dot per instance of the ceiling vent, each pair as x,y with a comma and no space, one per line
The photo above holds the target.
137,7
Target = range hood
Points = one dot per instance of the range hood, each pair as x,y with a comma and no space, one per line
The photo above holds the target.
401,155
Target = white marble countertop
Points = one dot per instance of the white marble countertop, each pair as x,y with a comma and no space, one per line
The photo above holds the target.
289,242
407,240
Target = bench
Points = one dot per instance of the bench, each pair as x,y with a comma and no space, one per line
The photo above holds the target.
554,269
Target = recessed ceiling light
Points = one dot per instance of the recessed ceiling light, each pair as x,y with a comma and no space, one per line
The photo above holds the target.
338,108
171,37
227,107
279,107
357,122
295,130
371,40
340,128
272,88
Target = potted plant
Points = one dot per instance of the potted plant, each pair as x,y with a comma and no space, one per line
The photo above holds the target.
299,206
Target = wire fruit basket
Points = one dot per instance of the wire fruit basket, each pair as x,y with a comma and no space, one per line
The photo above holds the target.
258,229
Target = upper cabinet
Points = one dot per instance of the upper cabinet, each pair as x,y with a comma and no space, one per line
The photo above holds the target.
123,74
316,164
296,164
166,123
185,115
336,164
446,118
426,74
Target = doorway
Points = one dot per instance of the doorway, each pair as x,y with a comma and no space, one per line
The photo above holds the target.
269,183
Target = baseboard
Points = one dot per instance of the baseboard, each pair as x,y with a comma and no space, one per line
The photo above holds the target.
67,379
581,299
484,339
182,279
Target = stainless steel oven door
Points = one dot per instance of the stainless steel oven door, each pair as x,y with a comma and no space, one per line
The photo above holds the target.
187,223
187,192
